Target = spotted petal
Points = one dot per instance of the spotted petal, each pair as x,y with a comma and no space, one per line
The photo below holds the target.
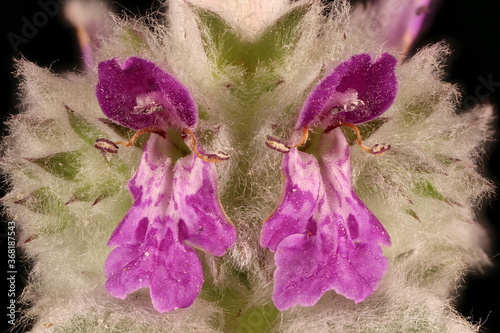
151,188
300,198
336,243
358,90
138,94
202,222
174,209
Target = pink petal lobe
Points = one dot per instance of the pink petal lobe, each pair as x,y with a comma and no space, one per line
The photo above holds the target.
178,275
171,270
202,221
300,197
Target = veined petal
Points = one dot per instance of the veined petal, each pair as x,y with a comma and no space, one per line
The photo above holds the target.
357,90
202,221
308,266
151,188
335,168
300,276
336,245
128,269
138,94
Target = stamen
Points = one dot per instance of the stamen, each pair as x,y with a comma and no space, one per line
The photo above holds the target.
277,145
282,147
148,109
377,149
303,139
150,103
221,156
211,158
106,145
140,132
346,101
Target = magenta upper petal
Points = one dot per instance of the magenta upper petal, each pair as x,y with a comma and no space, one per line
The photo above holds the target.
175,208
356,91
138,94
336,244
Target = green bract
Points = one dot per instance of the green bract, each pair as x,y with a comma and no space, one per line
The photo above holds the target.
249,66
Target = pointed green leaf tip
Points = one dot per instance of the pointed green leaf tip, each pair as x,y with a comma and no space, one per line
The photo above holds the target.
64,165
126,133
427,189
413,214
44,201
95,192
82,127
134,38
225,47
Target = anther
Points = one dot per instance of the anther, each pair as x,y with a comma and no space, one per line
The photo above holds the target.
106,145
277,145
377,149
211,158
282,147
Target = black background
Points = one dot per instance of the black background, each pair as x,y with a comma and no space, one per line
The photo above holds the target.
470,27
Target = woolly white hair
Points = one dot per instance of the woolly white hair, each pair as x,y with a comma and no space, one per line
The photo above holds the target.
424,190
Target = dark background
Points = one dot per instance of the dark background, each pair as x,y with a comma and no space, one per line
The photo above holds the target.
470,27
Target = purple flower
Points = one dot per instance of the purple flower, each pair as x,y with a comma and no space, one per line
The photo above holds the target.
324,236
175,207
356,91
90,18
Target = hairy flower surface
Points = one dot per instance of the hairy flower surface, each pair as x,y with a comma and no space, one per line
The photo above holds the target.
175,203
244,76
355,92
